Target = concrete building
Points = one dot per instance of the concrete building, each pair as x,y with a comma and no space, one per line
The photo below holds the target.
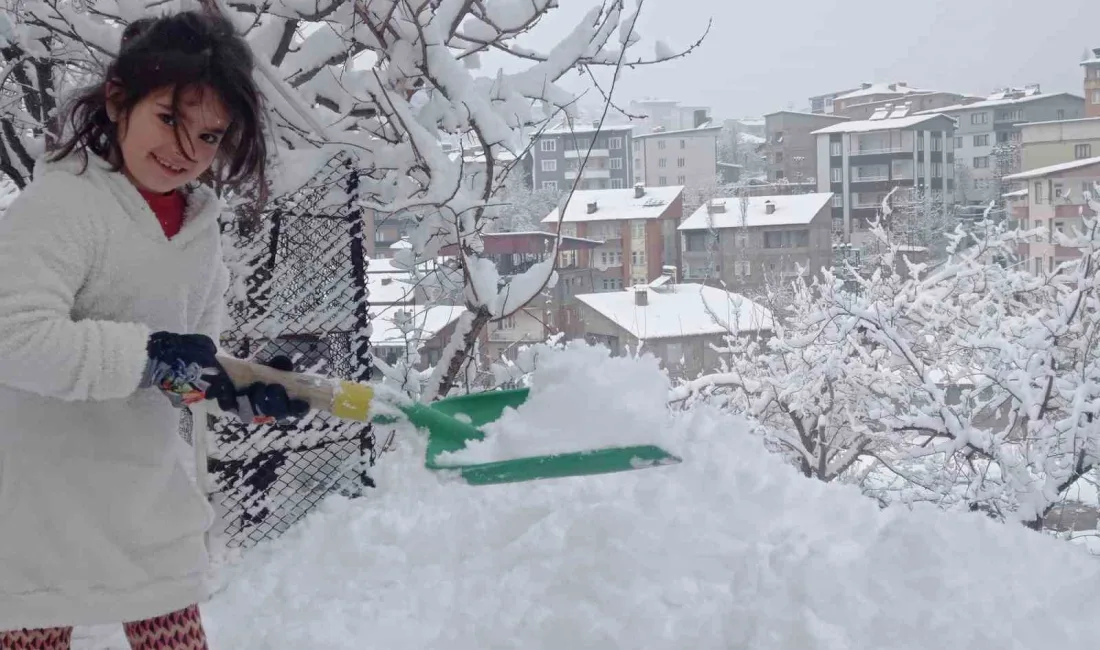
666,114
790,149
1092,83
1055,203
1050,143
637,227
861,161
680,324
558,152
918,101
763,239
686,157
826,104
997,120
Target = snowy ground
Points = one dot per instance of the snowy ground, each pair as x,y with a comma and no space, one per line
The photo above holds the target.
729,549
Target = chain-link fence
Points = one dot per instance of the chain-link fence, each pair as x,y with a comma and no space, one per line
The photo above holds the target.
299,290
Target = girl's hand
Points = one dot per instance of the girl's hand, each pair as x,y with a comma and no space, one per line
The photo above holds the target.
182,366
259,403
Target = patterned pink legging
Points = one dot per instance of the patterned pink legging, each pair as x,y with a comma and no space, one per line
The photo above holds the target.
180,630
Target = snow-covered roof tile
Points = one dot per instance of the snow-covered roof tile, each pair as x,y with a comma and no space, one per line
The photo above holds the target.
588,128
860,126
790,209
705,129
881,89
431,320
992,103
679,310
1053,169
615,205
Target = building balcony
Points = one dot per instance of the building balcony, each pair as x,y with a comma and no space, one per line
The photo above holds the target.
871,179
595,153
588,173
875,152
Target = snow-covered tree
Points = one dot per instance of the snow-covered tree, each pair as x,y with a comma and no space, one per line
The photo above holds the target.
520,208
385,81
973,382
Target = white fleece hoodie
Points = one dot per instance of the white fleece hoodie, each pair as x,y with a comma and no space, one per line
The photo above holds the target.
99,520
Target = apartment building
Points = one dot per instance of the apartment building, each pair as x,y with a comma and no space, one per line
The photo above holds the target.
759,240
637,228
861,161
790,149
826,104
997,120
1049,143
557,155
666,114
1056,203
686,157
1091,66
925,100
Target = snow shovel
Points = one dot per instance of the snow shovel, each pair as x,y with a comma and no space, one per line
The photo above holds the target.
450,423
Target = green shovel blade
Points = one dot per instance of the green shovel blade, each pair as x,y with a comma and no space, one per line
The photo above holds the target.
454,421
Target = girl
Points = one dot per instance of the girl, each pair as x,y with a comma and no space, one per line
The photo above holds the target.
112,287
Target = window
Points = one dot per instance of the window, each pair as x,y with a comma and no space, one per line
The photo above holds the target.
1003,136
660,144
549,165
1037,194
508,323
835,149
696,242
937,143
1059,190
1082,151
637,258
582,144
549,185
981,140
836,175
615,143
683,144
549,145
681,180
937,170
616,183
680,162
741,240
662,162
778,157
1010,116
637,230
742,269
959,143
662,180
838,200
1096,97
615,163
603,258
979,118
1061,113
787,239
981,162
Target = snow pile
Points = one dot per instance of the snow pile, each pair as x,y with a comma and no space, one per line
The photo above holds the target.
730,549
608,402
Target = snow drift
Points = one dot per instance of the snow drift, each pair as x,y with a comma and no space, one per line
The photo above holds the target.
730,549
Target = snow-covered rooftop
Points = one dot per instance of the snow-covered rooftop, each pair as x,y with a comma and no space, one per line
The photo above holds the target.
679,310
993,103
748,138
860,126
1051,170
790,209
587,127
390,288
706,129
615,205
386,334
868,90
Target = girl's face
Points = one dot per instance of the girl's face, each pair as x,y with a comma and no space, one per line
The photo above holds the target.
152,156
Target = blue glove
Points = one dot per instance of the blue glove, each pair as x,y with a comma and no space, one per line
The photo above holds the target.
182,366
259,403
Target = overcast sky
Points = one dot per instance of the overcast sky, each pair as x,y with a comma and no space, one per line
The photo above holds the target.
768,55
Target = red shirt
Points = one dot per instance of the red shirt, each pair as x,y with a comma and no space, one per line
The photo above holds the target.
169,210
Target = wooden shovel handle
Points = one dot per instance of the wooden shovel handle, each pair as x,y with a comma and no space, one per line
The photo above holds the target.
344,399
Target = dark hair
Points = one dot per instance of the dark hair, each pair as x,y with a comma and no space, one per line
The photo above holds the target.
188,50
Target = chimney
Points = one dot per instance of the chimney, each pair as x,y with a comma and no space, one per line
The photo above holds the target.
641,297
769,207
639,190
1096,52
387,281
592,207
864,86
716,207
